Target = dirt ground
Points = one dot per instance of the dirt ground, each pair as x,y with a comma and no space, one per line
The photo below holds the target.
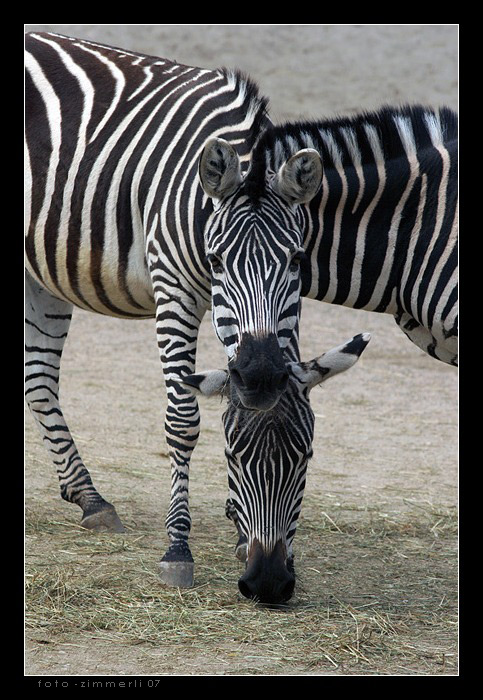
378,530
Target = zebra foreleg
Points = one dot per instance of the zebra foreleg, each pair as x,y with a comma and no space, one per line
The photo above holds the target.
177,332
47,322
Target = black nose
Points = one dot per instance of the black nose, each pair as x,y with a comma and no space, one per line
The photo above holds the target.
267,578
258,373
244,380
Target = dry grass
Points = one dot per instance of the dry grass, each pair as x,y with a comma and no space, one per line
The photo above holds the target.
373,593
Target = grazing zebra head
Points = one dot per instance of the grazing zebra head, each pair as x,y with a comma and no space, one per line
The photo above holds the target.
254,244
267,453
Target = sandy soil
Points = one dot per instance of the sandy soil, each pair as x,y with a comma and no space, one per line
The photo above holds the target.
386,432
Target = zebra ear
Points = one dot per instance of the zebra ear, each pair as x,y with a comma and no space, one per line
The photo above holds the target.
219,169
207,383
299,178
331,363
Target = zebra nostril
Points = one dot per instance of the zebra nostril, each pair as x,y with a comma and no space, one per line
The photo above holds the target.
287,591
245,589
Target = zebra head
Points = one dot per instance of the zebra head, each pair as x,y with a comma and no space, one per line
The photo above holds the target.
267,454
254,244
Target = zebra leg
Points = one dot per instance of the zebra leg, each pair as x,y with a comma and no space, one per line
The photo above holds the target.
177,324
47,322
241,546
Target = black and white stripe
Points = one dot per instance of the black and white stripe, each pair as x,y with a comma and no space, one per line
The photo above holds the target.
381,233
257,290
254,242
115,219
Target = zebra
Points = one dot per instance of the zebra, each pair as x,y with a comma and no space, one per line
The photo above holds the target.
267,455
380,234
124,169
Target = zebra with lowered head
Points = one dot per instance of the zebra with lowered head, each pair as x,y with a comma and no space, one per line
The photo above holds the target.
379,234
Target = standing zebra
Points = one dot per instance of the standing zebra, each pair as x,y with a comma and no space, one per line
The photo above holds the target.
380,235
267,454
115,221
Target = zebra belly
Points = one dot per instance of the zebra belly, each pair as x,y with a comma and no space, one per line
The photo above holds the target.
94,278
441,342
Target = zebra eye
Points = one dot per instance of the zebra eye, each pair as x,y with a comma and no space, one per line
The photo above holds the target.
216,263
295,262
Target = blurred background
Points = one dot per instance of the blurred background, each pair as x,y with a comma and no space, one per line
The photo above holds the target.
309,71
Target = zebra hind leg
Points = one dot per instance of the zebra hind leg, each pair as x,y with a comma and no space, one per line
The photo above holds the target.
47,322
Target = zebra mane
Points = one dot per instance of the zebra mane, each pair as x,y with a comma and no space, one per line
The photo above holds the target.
351,140
256,104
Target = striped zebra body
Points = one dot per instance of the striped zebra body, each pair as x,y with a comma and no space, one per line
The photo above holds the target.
119,135
115,218
381,234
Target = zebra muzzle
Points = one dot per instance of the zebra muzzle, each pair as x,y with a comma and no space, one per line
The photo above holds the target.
267,578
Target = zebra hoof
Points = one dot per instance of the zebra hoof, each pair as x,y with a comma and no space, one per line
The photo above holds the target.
106,520
177,573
